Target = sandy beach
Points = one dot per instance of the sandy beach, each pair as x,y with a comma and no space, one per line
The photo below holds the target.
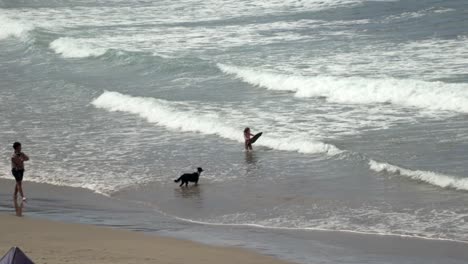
53,242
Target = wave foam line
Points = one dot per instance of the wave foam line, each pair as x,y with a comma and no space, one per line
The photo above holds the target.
375,233
436,179
358,90
260,226
101,189
166,114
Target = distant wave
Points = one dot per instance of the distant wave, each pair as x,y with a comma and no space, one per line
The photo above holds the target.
417,14
440,180
166,114
12,28
75,48
358,90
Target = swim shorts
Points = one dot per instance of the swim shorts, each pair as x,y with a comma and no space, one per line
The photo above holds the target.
18,174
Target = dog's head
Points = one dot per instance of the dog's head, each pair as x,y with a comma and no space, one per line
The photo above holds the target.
199,169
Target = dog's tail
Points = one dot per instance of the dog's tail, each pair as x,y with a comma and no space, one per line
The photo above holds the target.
177,179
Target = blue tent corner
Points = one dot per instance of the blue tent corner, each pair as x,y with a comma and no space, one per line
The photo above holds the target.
15,256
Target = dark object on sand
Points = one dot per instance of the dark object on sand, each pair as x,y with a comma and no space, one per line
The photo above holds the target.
15,256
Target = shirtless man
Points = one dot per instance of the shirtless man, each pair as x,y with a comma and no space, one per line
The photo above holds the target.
17,168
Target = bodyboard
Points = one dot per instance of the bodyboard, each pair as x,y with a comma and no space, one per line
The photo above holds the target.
254,138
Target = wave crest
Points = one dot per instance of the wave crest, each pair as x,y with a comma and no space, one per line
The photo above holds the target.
167,114
75,48
357,90
433,178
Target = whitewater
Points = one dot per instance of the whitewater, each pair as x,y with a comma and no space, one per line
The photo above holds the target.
356,90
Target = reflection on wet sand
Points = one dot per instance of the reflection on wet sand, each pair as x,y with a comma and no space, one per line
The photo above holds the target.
191,195
18,207
188,192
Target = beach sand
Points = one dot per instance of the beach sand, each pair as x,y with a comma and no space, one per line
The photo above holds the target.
51,242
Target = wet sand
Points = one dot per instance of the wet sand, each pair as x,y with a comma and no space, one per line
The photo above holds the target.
50,241
46,241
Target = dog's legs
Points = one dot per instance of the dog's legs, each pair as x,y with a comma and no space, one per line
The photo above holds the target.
182,183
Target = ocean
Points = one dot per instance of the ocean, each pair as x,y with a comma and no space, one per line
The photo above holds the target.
362,103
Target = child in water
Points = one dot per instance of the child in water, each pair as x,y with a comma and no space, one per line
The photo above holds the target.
247,135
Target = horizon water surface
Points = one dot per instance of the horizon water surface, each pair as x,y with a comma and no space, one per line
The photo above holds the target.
363,105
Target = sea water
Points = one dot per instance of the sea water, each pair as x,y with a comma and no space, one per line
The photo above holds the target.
363,107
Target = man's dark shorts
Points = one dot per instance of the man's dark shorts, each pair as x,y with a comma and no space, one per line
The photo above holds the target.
18,174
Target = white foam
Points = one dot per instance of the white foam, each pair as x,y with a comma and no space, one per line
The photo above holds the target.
436,179
398,224
422,59
417,14
13,28
168,12
173,116
124,30
357,90
75,48
99,180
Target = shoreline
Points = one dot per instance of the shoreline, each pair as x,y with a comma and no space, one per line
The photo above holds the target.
57,205
52,235
47,241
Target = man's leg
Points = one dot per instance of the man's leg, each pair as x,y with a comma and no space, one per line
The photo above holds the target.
20,188
15,194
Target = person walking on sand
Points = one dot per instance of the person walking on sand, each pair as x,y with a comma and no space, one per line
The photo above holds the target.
17,169
247,135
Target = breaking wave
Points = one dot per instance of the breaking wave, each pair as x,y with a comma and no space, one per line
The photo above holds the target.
433,178
171,115
11,28
75,48
358,90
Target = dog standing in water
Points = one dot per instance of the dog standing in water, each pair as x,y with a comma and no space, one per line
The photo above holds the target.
189,177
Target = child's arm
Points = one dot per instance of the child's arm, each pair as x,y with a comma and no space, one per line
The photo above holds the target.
24,156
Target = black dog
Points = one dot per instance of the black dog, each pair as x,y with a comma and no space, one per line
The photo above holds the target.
189,177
